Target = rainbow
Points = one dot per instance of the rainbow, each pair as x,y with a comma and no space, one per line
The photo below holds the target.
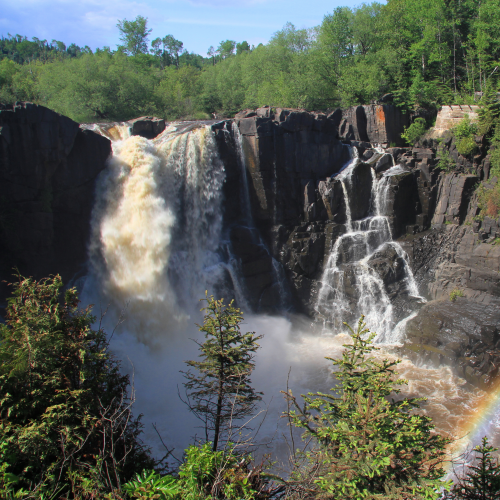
482,420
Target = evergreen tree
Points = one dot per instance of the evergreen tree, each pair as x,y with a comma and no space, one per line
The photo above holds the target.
221,392
482,480
369,446
65,414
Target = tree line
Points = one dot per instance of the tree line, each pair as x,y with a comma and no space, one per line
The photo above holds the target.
425,53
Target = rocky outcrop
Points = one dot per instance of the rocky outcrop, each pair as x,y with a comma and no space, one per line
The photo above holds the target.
378,124
454,194
147,126
48,167
463,334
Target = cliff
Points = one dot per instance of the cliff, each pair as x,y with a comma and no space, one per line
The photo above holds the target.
48,168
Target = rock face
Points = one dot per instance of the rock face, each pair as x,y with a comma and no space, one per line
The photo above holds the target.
378,124
48,167
298,205
463,334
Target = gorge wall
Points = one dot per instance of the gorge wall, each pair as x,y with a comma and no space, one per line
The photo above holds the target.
48,168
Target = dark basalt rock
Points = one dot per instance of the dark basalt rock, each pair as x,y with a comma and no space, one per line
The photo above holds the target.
361,185
389,266
463,334
147,126
48,167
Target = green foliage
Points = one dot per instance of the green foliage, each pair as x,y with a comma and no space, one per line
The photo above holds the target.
207,474
99,86
412,133
466,146
151,485
489,199
495,152
425,53
66,421
482,478
455,293
369,446
220,393
464,133
134,34
445,163
489,111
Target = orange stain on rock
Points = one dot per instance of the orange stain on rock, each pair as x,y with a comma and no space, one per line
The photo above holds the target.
380,114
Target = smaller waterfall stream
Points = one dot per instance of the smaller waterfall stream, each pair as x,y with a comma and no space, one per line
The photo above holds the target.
350,286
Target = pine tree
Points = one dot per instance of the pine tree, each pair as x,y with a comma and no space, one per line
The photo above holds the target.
482,479
367,445
220,392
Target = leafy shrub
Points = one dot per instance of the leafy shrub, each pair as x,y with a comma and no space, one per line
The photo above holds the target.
464,133
151,485
466,146
412,133
446,162
455,293
489,200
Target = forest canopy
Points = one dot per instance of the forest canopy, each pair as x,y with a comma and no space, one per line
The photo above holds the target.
423,52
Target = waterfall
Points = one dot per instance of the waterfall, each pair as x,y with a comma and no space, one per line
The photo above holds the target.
157,241
350,286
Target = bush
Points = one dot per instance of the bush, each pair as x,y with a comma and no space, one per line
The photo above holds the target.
66,422
367,444
489,200
446,162
466,146
464,133
455,293
412,133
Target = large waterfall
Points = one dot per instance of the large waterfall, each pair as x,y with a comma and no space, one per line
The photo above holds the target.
349,285
159,242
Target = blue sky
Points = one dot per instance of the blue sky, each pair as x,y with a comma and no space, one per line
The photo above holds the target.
197,23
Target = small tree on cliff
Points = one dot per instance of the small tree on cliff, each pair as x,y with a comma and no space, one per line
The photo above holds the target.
369,446
221,392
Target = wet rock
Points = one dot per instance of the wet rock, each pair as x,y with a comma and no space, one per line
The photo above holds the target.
361,184
389,266
147,126
445,332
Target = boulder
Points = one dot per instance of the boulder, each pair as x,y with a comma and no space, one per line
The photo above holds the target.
147,126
